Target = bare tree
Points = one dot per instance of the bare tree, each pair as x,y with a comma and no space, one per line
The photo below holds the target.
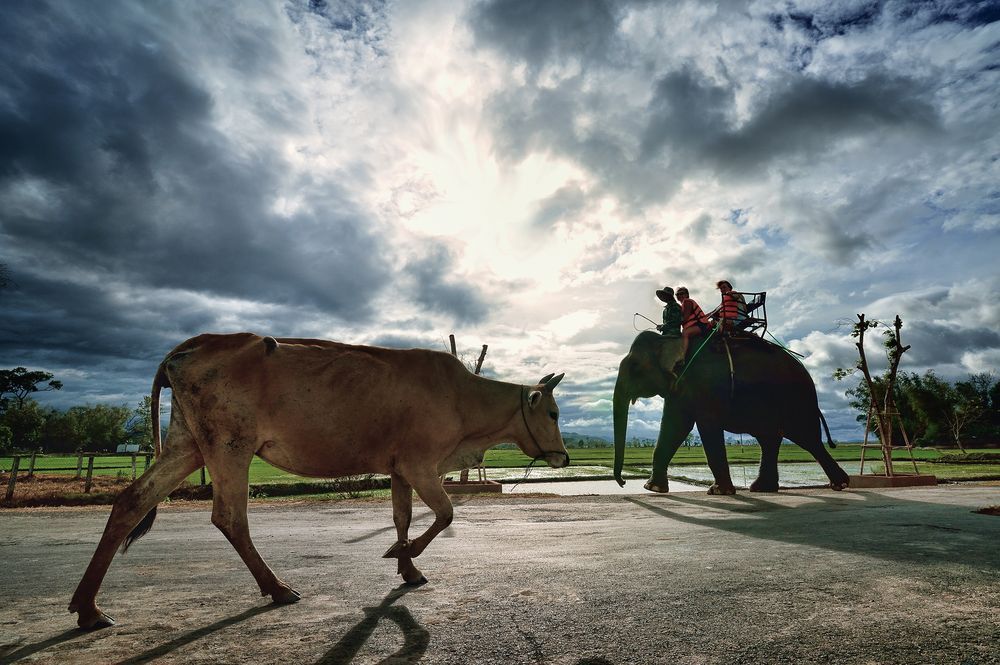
879,391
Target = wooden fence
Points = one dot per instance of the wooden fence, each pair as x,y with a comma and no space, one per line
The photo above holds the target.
16,469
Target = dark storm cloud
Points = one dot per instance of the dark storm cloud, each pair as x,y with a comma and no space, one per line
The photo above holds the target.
690,123
121,139
432,288
809,115
566,203
539,31
116,182
934,344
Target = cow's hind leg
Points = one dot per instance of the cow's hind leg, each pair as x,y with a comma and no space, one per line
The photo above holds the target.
230,490
402,512
179,460
430,490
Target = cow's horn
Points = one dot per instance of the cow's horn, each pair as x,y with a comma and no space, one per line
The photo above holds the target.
545,379
553,381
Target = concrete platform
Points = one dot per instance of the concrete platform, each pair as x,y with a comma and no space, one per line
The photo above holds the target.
472,486
897,480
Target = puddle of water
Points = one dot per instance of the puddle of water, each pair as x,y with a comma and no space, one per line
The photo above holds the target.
798,474
602,487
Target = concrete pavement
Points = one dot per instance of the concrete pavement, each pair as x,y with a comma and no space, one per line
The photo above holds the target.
804,576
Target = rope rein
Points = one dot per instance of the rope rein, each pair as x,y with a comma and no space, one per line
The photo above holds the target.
541,453
695,354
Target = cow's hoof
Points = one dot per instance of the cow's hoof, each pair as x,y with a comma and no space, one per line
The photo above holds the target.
840,486
723,491
285,596
94,620
764,486
653,487
416,582
399,549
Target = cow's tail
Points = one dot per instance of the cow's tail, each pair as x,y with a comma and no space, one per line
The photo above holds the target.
160,381
829,439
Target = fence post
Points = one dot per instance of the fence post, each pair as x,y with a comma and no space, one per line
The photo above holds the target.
90,474
13,477
146,465
202,476
31,464
133,466
79,465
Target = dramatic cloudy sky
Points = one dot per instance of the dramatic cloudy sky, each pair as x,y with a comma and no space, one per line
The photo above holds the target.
521,173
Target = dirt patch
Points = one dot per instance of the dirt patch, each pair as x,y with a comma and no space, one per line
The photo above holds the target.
52,489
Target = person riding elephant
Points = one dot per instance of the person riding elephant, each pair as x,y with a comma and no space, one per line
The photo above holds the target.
672,351
694,321
671,313
733,309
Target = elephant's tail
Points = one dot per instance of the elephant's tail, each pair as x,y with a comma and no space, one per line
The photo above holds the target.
829,439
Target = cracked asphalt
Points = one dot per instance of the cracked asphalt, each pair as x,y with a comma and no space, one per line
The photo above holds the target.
803,576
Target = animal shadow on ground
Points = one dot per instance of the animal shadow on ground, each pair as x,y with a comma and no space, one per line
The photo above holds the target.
415,637
187,638
31,649
894,529
145,657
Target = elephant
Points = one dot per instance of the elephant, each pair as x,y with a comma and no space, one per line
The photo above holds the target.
732,383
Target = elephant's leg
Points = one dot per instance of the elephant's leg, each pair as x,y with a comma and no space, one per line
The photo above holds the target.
715,452
767,478
674,427
402,513
814,444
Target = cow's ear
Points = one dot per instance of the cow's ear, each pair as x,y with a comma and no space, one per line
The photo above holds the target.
534,397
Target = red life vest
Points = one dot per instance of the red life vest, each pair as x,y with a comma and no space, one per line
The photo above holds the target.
695,314
733,307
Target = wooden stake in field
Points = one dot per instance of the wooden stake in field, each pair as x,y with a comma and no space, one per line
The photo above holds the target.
482,485
13,477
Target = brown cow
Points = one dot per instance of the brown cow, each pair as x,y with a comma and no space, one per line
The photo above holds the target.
325,409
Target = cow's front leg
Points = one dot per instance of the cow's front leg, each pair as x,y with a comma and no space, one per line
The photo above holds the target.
431,491
402,512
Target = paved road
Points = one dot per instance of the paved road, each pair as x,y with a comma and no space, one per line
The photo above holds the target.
876,576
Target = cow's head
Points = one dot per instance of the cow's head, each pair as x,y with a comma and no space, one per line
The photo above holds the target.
543,439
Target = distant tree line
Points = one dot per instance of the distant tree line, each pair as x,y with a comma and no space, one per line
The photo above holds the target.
936,412
27,425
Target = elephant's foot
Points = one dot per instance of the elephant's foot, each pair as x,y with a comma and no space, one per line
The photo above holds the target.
90,616
725,490
657,487
761,485
840,480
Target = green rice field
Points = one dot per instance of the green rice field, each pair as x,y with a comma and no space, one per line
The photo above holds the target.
635,458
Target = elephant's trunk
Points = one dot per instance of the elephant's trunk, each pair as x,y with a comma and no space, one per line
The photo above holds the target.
620,415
